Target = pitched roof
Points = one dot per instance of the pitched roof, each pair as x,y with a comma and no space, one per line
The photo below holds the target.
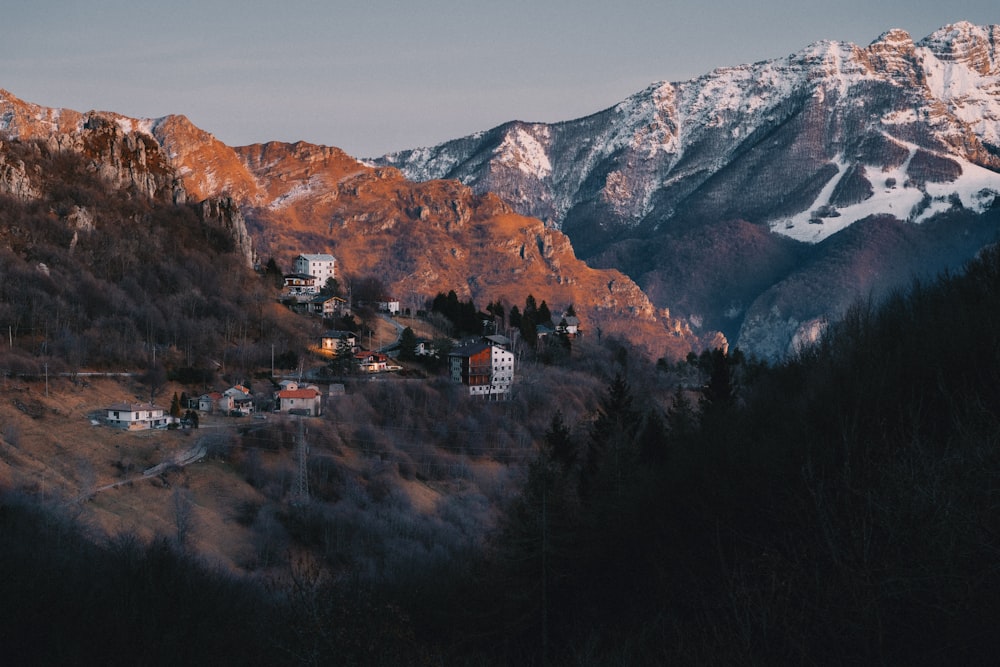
309,392
323,298
133,407
321,257
334,333
497,339
469,349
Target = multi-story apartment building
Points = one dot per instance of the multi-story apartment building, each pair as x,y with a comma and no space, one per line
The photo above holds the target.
486,369
322,267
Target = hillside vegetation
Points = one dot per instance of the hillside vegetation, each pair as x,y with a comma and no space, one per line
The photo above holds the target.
836,508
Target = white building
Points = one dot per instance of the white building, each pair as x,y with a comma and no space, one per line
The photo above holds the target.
391,307
137,416
322,267
487,370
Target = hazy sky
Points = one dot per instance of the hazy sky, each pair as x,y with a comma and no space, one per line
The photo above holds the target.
378,75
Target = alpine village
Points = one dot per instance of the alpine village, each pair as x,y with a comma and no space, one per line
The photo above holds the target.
710,377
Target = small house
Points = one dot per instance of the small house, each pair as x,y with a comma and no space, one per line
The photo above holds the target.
136,416
328,305
391,307
333,339
299,401
300,284
569,326
371,362
237,400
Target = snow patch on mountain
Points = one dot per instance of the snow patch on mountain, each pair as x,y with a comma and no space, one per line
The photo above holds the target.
975,189
971,96
526,152
297,192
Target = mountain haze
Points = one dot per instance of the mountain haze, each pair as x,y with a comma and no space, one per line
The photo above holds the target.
802,148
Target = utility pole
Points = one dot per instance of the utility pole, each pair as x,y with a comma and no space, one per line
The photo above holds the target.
46,379
302,478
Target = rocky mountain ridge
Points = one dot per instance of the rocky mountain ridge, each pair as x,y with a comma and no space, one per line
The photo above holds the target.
279,199
804,147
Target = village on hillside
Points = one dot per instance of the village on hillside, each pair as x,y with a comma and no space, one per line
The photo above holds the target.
484,362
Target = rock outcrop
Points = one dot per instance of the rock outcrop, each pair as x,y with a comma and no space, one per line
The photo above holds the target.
224,213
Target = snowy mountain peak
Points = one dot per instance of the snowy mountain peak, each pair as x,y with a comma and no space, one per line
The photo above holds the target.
970,45
895,37
799,148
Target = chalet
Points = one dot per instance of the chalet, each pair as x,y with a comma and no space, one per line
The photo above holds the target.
371,362
328,305
137,416
299,401
236,400
569,325
300,284
323,267
486,369
333,339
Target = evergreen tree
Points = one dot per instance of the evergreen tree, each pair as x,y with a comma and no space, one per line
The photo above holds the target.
557,439
175,406
682,422
331,287
343,359
720,391
514,320
652,440
544,316
530,306
528,329
498,313
612,448
407,345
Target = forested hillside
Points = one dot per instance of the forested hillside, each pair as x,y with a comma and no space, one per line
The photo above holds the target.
96,276
838,508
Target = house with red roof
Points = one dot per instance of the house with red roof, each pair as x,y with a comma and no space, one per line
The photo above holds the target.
306,401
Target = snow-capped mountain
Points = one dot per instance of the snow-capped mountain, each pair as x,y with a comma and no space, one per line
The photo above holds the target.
802,147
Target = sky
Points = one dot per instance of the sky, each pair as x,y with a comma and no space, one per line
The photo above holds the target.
375,76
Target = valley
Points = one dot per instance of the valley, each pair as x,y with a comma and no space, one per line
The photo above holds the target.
708,377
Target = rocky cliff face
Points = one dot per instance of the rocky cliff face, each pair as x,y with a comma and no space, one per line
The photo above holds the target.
803,147
425,238
131,156
280,199
225,213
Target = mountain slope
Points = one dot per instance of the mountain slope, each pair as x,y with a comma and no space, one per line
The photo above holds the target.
802,146
419,239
